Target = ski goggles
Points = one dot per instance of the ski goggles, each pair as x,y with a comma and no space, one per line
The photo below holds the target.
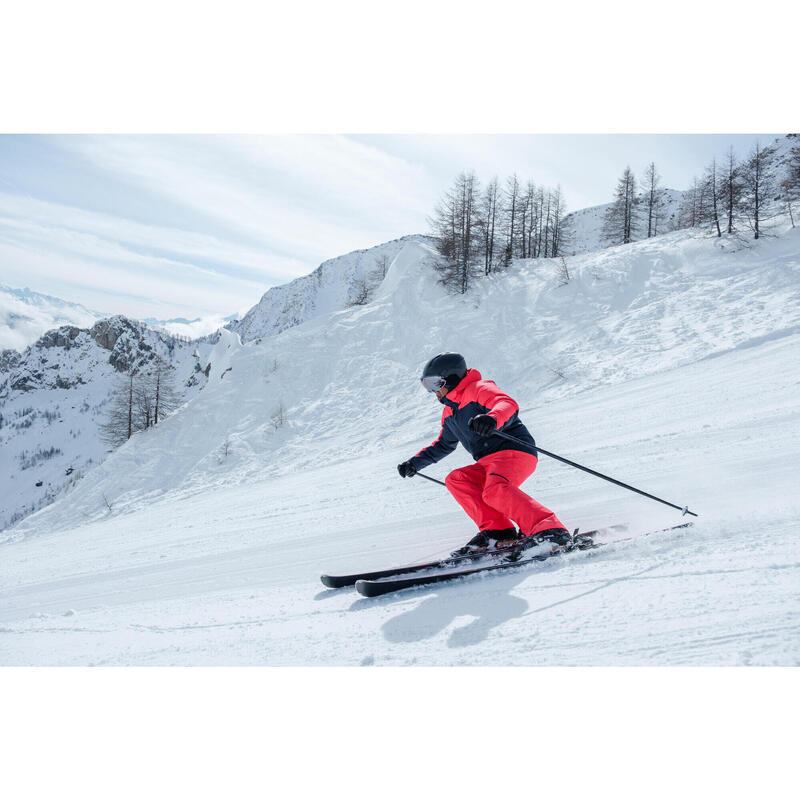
433,382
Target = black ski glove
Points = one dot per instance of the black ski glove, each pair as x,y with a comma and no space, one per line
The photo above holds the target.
406,469
483,425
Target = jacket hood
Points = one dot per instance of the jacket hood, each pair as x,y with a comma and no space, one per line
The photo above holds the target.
457,391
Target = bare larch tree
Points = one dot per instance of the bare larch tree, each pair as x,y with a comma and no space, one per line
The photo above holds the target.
142,399
557,211
653,198
487,222
511,197
790,185
711,195
730,188
456,227
620,221
758,181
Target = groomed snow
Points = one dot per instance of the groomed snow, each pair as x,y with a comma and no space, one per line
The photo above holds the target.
679,362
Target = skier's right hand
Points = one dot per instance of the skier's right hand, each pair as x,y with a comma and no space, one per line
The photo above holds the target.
406,469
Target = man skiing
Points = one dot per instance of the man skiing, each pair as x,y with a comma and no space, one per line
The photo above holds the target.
487,490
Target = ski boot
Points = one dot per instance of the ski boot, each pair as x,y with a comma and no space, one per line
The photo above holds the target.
557,538
486,541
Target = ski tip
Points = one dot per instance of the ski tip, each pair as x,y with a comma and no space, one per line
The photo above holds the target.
368,588
331,581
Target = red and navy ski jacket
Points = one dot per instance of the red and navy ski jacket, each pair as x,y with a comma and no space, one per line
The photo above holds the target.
472,396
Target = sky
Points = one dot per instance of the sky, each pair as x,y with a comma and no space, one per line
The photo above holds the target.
191,226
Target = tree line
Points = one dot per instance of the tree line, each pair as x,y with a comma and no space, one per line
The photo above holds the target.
728,196
479,230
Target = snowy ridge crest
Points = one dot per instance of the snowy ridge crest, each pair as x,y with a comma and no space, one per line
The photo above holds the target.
332,286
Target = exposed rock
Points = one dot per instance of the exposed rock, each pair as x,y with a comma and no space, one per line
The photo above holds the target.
60,337
107,331
9,359
65,383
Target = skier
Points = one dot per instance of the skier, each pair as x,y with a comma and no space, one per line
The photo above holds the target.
487,490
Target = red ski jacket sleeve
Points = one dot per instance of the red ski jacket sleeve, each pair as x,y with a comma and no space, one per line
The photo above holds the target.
500,405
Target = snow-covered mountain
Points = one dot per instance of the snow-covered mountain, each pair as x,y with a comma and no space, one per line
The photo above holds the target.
65,375
27,315
55,393
333,285
665,362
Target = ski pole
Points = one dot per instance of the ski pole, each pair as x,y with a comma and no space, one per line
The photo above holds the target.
684,509
428,478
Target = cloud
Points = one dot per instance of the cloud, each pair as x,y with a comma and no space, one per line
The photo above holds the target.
67,226
313,196
126,287
21,323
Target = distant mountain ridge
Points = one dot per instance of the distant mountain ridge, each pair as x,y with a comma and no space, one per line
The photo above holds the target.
38,299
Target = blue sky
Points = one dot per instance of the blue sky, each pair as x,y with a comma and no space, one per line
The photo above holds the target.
167,226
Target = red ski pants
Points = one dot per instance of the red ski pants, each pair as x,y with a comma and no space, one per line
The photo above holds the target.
489,492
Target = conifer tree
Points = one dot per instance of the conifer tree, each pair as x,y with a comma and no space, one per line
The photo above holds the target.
558,210
488,224
690,213
758,181
141,399
621,220
511,197
456,226
730,188
118,426
711,195
790,185
653,199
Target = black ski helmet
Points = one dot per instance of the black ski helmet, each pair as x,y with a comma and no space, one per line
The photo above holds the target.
450,367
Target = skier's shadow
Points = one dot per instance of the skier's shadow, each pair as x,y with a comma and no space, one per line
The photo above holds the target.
434,614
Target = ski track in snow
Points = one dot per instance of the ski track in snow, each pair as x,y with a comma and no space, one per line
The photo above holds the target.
219,562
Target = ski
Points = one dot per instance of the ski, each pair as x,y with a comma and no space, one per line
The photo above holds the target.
339,581
373,587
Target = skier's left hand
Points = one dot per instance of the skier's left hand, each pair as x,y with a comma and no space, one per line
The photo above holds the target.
483,424
406,470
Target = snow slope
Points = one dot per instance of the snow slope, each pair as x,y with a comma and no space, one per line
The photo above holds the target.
675,355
